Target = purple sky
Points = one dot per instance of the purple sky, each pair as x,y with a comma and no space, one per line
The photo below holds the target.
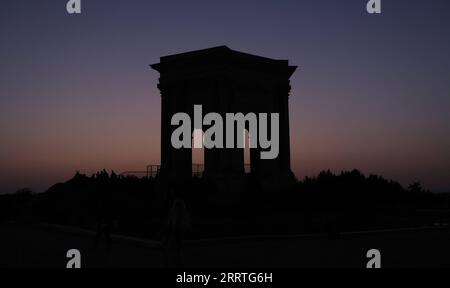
371,92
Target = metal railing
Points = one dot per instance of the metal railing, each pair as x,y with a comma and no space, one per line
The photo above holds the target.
197,170
138,174
154,170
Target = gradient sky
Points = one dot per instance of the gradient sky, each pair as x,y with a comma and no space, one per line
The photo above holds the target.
372,91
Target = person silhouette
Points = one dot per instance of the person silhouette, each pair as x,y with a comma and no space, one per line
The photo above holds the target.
103,231
105,219
178,223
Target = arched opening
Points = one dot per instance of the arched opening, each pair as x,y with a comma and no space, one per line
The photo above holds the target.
198,153
247,163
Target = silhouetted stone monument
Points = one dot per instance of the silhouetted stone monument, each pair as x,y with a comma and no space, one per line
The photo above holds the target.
224,81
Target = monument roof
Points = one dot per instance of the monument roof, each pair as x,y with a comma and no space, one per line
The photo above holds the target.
222,55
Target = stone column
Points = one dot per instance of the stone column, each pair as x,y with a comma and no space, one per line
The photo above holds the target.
284,156
175,163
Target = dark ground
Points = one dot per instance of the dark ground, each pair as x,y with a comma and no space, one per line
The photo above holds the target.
43,247
326,207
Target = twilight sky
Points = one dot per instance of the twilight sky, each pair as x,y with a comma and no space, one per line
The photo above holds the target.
371,92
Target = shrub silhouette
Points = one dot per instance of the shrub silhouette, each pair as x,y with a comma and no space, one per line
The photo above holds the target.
138,206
